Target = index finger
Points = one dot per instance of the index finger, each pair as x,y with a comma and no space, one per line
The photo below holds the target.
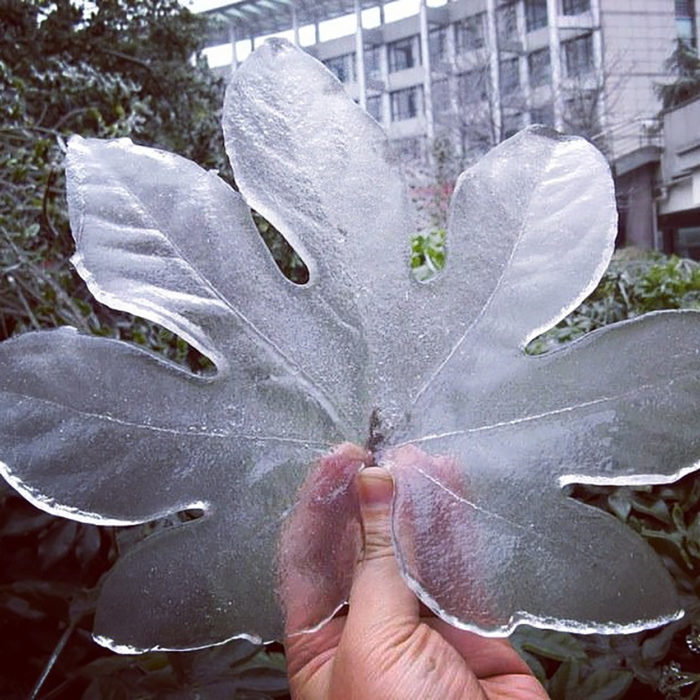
321,541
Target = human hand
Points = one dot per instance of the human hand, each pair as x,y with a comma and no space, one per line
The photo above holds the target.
385,648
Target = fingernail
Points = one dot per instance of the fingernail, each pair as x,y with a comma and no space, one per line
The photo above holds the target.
375,487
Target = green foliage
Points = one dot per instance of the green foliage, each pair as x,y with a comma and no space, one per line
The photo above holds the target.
633,284
50,575
428,254
286,258
124,70
684,65
659,663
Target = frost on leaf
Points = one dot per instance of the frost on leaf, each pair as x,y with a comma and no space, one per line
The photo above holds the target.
431,378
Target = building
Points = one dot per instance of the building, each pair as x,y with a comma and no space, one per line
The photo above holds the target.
476,71
678,188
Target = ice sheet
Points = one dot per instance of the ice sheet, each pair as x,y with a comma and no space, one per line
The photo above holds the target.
361,364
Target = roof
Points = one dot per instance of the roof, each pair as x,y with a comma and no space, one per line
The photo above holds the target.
260,17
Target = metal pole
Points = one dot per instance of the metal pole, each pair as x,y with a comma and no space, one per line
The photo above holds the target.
555,60
427,73
360,56
494,67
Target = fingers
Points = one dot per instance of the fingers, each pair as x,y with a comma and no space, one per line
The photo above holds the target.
486,656
321,540
375,489
441,534
320,544
379,596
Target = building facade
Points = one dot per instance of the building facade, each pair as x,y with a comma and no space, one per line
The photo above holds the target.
473,72
678,187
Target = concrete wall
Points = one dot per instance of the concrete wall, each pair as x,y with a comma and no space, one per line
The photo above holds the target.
638,37
680,164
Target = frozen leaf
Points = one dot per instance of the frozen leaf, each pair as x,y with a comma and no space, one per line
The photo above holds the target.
431,379
605,684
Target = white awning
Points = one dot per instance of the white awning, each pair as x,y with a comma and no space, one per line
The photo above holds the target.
260,17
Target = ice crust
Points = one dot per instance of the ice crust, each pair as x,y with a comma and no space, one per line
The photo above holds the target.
479,437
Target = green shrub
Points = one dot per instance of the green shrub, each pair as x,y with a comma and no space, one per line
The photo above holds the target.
634,284
428,254
657,663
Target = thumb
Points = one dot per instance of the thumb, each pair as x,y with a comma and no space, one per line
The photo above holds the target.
379,595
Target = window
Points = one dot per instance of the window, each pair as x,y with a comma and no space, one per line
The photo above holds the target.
575,7
470,33
473,85
578,55
404,104
374,107
507,22
535,14
510,75
687,242
544,114
581,113
404,54
685,22
437,41
539,67
343,67
373,65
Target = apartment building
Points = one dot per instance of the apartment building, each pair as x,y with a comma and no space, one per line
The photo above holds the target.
678,184
474,72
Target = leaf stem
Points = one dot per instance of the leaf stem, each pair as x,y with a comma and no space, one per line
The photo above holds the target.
60,645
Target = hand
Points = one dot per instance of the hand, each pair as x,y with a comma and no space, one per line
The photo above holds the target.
384,648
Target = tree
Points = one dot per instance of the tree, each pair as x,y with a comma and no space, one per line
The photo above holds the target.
123,70
684,65
126,69
466,115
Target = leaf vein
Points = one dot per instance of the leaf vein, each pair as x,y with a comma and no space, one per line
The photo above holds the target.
197,432
537,416
289,364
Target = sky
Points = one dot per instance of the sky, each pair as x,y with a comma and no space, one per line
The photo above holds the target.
393,11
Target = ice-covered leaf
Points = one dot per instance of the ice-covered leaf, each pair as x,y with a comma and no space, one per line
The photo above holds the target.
430,379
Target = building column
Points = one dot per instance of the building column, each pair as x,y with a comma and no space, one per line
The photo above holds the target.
599,64
234,53
427,73
360,56
555,62
523,71
384,70
494,69
295,24
452,92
